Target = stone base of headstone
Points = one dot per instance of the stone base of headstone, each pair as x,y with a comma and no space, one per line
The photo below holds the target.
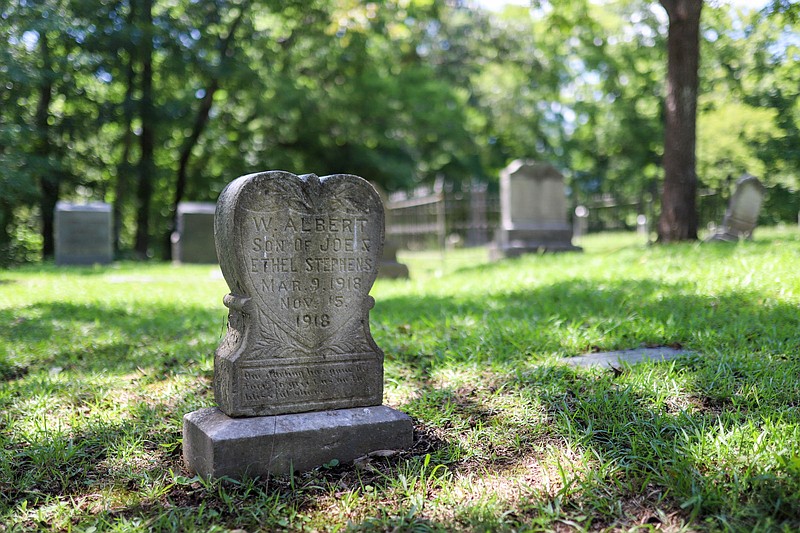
516,242
392,270
216,445
722,236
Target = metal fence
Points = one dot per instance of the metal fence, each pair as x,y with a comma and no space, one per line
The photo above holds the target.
453,215
443,216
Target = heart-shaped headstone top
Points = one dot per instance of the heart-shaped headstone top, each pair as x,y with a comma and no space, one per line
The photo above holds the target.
299,254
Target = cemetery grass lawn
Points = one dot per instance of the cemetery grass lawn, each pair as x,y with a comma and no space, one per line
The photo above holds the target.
98,365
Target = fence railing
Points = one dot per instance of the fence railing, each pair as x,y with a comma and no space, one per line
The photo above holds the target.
446,216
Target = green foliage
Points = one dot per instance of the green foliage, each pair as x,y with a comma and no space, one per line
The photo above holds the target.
729,141
400,92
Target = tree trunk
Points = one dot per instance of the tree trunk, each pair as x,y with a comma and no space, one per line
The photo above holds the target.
6,216
200,121
48,183
678,220
121,186
147,136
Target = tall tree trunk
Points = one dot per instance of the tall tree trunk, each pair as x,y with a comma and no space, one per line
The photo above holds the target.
124,168
147,136
200,122
678,220
6,216
48,182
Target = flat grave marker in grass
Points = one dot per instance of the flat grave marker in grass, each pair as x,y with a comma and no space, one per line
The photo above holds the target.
617,359
298,378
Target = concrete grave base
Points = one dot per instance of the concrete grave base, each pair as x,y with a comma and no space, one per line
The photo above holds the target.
216,445
394,270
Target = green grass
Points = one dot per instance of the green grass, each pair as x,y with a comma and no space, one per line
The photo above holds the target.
98,366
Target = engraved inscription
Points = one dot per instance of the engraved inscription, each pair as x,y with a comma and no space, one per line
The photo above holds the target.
307,383
300,254
307,266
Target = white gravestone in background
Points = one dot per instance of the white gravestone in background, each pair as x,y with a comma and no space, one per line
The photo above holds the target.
533,211
744,207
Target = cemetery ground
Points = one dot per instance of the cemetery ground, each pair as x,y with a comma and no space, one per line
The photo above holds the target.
99,365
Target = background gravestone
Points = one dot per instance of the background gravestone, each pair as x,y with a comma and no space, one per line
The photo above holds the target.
193,239
389,266
298,378
533,211
83,234
741,217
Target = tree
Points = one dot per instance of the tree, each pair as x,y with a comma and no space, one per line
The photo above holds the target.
678,220
147,116
203,112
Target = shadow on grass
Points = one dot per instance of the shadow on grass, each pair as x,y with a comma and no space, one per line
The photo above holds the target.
577,316
632,442
718,457
97,338
742,381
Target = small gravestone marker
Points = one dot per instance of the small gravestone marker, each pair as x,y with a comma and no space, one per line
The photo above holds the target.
389,267
193,239
741,217
298,378
617,359
83,234
533,211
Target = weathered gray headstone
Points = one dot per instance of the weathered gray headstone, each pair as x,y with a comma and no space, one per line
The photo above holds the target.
298,362
389,267
741,216
83,234
193,239
533,211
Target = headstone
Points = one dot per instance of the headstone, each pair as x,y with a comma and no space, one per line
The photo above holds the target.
389,267
193,239
533,211
298,379
741,216
619,358
83,234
